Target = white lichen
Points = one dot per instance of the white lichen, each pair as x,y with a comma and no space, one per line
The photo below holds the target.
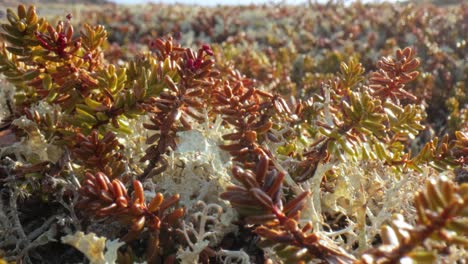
199,233
135,143
93,247
6,98
233,257
198,170
112,247
368,194
35,147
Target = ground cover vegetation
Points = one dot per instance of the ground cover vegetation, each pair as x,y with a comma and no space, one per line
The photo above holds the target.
320,133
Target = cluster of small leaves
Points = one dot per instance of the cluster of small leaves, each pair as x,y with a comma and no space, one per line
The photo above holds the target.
240,105
460,147
443,153
370,118
442,216
370,122
48,122
51,64
259,199
393,74
104,198
100,154
70,71
354,121
293,56
260,195
181,103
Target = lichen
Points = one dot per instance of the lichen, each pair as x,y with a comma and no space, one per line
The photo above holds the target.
6,99
93,247
199,161
368,194
34,147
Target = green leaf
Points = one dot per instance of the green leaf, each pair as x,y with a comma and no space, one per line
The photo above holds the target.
85,116
31,74
422,257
